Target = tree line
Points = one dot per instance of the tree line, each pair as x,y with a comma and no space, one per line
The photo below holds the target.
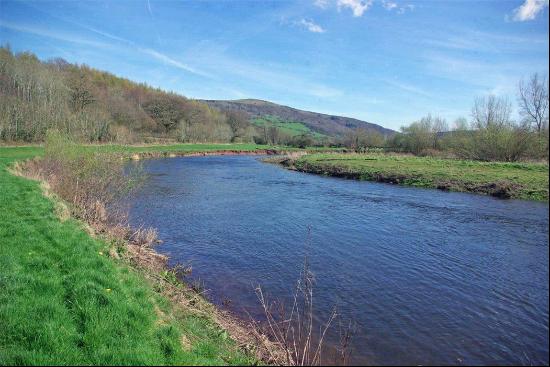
491,134
96,106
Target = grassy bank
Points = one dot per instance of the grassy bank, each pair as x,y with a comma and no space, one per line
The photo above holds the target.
68,298
24,152
515,180
38,150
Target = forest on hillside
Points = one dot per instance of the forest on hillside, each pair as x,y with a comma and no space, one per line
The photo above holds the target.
97,106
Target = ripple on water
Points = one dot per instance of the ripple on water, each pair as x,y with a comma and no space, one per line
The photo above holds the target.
429,277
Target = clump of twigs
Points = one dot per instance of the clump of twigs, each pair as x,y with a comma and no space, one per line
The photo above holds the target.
299,337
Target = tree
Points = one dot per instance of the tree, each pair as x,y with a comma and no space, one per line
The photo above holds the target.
238,122
360,139
166,110
81,96
439,126
496,136
460,124
272,135
533,101
491,112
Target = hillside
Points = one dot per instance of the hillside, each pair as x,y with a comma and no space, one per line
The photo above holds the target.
96,106
318,122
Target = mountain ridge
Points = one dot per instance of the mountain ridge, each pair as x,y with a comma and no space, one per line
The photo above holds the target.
332,125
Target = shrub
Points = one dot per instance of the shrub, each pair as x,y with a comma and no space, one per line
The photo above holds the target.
93,183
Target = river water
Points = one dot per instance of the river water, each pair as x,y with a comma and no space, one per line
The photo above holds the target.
428,277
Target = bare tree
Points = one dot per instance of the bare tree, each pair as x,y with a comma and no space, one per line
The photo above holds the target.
238,122
439,126
533,101
491,111
460,124
272,135
496,136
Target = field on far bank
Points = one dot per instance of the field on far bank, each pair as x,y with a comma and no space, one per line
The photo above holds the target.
514,180
26,151
29,151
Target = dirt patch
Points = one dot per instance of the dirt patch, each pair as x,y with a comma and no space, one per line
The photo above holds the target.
185,343
499,189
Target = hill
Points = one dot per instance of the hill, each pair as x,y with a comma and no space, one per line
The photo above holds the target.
318,122
96,106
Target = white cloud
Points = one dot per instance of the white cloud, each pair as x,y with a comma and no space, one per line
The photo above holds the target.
323,4
389,5
358,7
311,26
529,10
403,9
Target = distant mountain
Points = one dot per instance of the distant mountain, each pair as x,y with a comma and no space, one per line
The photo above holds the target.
319,122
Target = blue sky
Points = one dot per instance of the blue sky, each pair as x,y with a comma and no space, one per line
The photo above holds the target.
388,62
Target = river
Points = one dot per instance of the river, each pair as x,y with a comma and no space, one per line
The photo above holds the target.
428,277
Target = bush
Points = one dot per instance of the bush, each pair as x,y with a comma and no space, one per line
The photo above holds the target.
92,182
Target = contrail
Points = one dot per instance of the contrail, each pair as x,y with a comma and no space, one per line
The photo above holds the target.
159,40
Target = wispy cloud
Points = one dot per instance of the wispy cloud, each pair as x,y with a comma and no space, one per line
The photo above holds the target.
311,26
479,41
271,76
480,77
323,4
70,37
170,61
408,88
61,36
358,7
403,9
391,5
529,10
150,11
323,91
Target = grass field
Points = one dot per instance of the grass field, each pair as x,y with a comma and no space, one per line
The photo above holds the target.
522,180
63,300
24,152
292,128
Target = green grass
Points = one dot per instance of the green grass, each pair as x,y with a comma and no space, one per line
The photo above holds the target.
529,180
64,301
23,152
292,128
190,148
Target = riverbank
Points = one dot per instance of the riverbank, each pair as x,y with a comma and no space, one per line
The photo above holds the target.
69,295
527,181
170,150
